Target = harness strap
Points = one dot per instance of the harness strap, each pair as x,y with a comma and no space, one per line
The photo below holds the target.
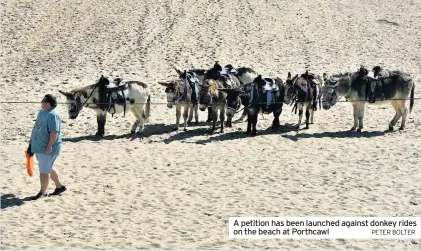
349,92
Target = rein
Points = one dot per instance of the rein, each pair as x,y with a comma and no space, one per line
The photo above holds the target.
95,86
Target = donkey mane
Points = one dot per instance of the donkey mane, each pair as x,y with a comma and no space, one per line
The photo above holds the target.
213,86
341,75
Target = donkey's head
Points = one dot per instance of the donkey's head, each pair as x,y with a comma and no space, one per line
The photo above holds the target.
329,91
233,100
289,89
74,102
174,90
205,94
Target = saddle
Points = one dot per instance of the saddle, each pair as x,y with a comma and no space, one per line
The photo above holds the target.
374,86
313,83
269,89
311,78
115,95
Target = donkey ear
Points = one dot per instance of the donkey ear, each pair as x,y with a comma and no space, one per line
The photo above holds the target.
164,83
289,76
325,76
177,70
65,93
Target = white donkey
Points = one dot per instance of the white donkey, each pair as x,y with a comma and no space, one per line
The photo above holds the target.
115,98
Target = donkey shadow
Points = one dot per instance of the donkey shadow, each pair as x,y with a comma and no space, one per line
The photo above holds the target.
242,134
190,133
97,138
338,134
151,129
10,200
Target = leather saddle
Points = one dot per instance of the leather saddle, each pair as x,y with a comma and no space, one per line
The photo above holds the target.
115,95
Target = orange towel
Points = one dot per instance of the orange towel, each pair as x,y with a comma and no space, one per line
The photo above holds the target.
29,164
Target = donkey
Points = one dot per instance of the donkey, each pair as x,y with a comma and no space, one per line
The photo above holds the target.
210,96
357,87
245,75
184,95
114,98
199,74
266,95
304,90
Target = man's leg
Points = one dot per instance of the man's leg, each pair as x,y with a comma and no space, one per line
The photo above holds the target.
59,187
54,177
44,182
44,170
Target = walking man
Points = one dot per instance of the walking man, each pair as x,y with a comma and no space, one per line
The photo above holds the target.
46,143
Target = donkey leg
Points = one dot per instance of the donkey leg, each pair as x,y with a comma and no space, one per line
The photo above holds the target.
190,107
397,116
300,114
275,123
142,119
308,106
196,116
210,114
177,116
312,115
254,123
355,109
222,118
404,113
137,113
101,118
248,123
214,119
361,116
185,114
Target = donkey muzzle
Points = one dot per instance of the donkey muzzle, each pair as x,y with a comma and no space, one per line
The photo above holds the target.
202,107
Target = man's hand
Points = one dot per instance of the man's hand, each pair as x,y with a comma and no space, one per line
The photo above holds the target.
48,150
53,137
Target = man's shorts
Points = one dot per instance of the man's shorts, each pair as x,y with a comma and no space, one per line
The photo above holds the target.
45,162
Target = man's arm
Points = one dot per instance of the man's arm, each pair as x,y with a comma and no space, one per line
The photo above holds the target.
53,126
53,138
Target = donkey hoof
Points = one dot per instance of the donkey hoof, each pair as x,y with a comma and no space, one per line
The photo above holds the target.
196,123
359,129
353,129
209,120
189,122
390,128
307,127
99,134
401,128
175,129
132,132
253,133
185,129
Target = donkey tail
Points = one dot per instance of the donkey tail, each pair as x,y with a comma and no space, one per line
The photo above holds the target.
147,111
411,102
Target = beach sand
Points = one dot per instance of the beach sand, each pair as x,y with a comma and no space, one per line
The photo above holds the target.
177,190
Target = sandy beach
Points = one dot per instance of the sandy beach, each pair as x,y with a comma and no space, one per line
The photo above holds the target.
176,189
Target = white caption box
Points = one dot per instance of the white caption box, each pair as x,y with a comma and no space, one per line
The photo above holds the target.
325,227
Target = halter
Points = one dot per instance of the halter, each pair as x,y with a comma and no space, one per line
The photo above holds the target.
334,90
95,86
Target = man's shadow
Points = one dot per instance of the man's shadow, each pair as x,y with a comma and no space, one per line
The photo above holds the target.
10,200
